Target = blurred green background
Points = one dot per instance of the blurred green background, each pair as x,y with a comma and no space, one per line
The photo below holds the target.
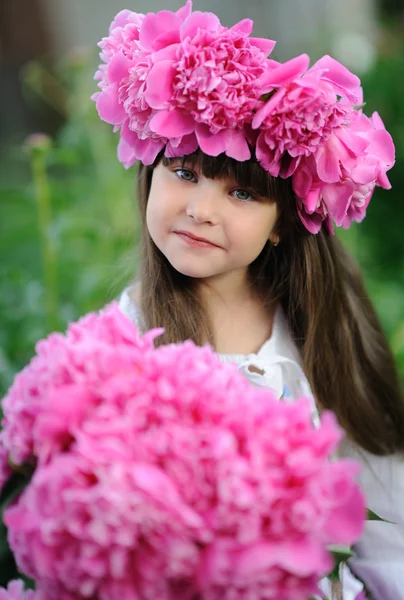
68,222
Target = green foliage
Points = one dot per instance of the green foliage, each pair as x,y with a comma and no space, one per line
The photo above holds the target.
77,252
68,226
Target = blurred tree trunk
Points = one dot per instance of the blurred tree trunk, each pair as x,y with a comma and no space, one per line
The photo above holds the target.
23,33
24,36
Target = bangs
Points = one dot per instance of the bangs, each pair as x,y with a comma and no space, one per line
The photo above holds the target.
248,174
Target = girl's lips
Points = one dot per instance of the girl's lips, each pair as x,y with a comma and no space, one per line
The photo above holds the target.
193,240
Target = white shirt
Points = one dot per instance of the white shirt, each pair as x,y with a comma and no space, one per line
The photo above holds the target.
380,552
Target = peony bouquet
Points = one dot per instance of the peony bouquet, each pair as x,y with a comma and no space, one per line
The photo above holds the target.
162,474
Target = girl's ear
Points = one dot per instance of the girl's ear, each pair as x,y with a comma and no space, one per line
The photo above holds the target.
274,238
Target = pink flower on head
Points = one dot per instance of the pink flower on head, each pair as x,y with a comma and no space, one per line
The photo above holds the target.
15,591
127,54
211,85
337,182
179,80
303,110
370,167
310,129
123,38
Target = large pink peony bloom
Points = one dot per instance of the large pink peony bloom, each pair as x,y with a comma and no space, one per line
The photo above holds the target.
162,473
179,81
310,129
127,56
338,180
210,85
304,109
15,591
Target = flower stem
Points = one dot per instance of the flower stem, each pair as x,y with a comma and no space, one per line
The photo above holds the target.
49,258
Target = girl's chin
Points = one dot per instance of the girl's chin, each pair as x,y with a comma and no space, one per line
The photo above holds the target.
193,270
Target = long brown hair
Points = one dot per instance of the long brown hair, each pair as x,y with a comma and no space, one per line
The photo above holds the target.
331,319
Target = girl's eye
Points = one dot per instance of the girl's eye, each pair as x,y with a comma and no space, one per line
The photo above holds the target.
185,174
242,195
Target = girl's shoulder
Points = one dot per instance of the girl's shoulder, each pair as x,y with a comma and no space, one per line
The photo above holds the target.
379,555
129,302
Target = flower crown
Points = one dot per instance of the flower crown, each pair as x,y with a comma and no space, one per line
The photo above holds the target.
179,81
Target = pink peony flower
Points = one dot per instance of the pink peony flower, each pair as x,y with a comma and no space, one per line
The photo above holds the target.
127,54
179,81
304,109
162,473
15,591
310,130
123,39
338,180
210,86
50,398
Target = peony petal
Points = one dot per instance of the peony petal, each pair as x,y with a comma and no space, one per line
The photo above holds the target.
285,73
265,156
172,123
345,81
237,146
108,106
377,121
302,181
337,198
365,171
266,46
313,223
245,26
346,522
311,200
289,165
167,38
118,68
159,84
265,110
199,20
187,145
184,12
304,557
382,145
144,150
157,24
168,53
121,19
353,142
327,163
383,181
126,154
211,144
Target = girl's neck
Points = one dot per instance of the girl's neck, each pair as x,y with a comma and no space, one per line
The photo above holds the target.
241,322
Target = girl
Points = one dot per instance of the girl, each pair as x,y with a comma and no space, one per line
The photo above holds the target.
246,164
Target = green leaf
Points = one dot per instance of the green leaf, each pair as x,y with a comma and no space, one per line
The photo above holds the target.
341,555
372,516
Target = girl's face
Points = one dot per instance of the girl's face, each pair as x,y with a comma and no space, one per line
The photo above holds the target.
207,227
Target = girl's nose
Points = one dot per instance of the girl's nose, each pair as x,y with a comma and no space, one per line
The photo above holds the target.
203,204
